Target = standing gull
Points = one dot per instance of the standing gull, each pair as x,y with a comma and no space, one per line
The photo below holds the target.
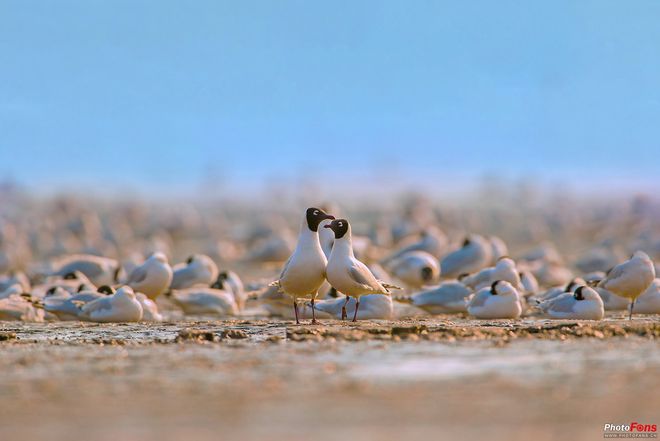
630,278
304,272
347,274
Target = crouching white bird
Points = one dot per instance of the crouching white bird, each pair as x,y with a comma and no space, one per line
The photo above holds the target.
415,269
448,297
649,301
122,306
500,301
99,270
475,254
504,269
203,300
583,304
304,272
198,269
348,275
153,277
631,278
371,306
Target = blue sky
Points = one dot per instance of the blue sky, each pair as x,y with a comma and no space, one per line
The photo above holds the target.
144,94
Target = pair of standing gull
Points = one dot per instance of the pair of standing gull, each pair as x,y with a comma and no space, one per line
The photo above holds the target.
308,268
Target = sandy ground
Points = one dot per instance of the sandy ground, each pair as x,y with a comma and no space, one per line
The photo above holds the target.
440,378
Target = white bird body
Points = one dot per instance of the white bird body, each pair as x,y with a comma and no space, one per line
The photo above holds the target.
498,248
504,269
200,300
233,283
649,301
16,288
433,241
15,278
415,269
348,275
448,297
122,306
198,269
529,283
611,301
15,307
630,278
68,306
153,277
149,308
474,255
584,304
304,272
500,301
99,270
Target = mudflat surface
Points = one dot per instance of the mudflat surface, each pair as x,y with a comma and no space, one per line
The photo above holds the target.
436,378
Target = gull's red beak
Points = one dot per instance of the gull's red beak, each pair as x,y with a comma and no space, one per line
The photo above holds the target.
329,216
328,225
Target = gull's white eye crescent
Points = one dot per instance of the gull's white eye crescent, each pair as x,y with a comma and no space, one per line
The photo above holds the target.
316,212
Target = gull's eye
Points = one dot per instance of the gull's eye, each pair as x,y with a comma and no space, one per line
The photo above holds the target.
316,212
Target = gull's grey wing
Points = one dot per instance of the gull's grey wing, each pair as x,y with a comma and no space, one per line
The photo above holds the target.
563,303
361,275
137,275
182,277
286,266
613,274
446,293
89,269
480,298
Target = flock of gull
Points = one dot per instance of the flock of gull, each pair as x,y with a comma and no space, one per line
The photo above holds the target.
330,274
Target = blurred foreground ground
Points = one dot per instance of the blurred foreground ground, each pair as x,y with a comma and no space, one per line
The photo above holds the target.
253,379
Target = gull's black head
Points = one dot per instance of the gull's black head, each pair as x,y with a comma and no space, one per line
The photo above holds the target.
51,291
493,287
220,281
466,242
570,286
80,287
578,293
189,260
70,276
314,217
105,289
427,273
462,276
339,226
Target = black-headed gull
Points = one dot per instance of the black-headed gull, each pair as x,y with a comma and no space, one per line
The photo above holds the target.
499,301
504,269
122,306
583,304
474,254
448,297
348,275
198,269
99,270
304,272
415,269
631,278
153,277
